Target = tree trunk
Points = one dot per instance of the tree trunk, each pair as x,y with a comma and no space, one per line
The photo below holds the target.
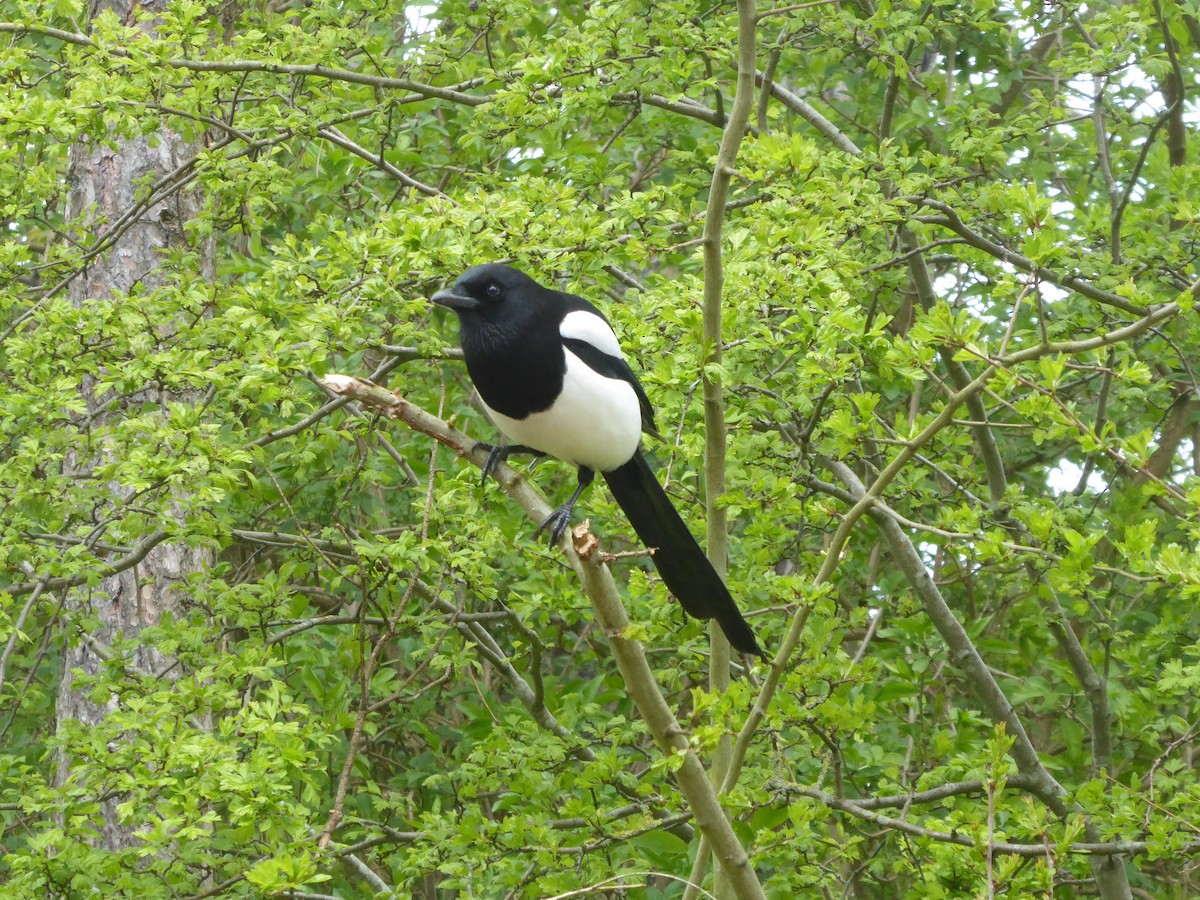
105,180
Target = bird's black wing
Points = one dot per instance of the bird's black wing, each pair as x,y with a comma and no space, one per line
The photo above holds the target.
604,362
615,367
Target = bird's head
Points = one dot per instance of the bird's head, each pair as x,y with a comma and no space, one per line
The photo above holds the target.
487,290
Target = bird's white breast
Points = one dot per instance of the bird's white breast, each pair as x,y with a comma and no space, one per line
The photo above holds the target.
595,422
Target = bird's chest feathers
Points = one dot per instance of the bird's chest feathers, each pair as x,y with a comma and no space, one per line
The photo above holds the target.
545,397
594,420
515,375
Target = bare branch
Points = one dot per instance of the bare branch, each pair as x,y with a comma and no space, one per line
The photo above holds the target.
951,220
136,554
336,137
1096,848
717,533
962,649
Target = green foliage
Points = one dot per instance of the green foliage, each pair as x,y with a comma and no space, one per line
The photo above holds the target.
366,597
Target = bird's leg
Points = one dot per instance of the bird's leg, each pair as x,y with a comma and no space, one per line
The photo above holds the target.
498,454
560,519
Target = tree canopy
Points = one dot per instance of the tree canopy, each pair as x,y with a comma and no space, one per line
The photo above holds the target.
910,284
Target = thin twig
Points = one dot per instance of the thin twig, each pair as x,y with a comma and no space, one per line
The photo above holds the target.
334,136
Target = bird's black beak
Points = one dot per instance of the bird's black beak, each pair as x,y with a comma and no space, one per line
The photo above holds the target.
452,299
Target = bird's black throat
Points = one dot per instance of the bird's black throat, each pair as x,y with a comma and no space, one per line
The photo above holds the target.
517,367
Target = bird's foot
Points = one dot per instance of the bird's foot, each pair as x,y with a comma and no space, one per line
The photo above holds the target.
558,522
500,453
496,455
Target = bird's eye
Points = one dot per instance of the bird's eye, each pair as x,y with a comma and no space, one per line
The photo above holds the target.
493,291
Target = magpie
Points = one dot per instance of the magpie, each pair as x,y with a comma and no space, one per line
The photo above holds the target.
552,378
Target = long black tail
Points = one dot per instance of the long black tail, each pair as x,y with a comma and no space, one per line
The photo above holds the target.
680,561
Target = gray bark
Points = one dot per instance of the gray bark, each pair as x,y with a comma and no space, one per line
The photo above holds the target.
107,179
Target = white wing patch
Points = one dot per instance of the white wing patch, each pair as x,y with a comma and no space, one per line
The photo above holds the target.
581,325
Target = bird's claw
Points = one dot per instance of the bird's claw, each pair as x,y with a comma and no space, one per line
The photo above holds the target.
558,522
496,455
500,453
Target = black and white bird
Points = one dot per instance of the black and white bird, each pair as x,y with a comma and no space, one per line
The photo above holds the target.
550,372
